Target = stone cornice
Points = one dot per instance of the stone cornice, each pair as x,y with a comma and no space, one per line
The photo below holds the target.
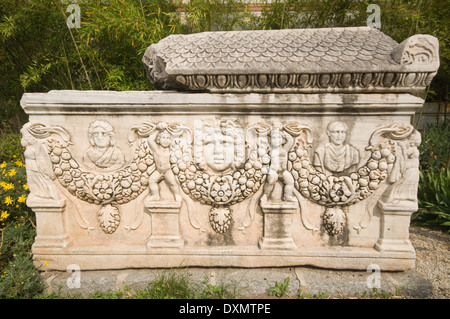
358,59
172,102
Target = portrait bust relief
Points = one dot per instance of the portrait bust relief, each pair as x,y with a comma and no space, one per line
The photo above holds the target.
103,153
336,156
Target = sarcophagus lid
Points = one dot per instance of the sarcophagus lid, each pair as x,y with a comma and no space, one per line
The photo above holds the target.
355,59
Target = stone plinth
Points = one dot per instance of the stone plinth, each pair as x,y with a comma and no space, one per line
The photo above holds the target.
50,226
239,164
394,233
278,216
165,224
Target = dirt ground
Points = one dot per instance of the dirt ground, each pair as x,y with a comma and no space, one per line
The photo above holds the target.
432,251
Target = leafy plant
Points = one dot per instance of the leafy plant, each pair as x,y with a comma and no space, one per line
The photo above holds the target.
13,192
19,277
10,148
435,147
170,285
221,291
280,289
434,199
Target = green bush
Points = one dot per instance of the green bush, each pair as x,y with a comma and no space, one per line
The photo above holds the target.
10,148
434,184
435,147
39,52
434,199
18,278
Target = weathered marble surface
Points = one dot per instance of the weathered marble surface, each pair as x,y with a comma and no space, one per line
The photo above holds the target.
359,59
285,178
217,212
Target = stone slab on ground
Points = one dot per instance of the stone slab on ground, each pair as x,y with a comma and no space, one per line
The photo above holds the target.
250,283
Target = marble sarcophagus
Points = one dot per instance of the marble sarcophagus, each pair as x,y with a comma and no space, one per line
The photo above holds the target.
259,149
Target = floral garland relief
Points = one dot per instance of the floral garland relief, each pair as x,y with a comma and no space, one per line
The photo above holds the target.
221,165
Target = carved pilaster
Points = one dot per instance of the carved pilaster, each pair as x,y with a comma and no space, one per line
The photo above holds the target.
165,224
50,230
277,221
394,232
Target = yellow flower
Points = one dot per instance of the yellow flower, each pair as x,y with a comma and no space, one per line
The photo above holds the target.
25,186
18,163
8,200
7,186
3,165
4,215
22,199
46,262
12,172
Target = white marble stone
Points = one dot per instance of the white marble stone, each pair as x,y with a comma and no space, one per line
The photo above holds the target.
287,177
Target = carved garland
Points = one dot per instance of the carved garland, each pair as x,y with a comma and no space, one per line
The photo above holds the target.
222,190
109,189
334,192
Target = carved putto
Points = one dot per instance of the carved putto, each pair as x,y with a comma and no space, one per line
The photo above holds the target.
221,163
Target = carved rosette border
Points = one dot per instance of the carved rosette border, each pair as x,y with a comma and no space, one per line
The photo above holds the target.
305,81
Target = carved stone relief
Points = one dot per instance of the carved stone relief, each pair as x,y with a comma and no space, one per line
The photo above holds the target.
222,163
39,170
336,156
103,153
299,60
109,190
227,173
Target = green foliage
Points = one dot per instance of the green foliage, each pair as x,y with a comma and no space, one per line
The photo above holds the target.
434,185
170,285
221,291
280,289
435,147
434,199
319,295
38,52
176,285
377,294
10,147
19,278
